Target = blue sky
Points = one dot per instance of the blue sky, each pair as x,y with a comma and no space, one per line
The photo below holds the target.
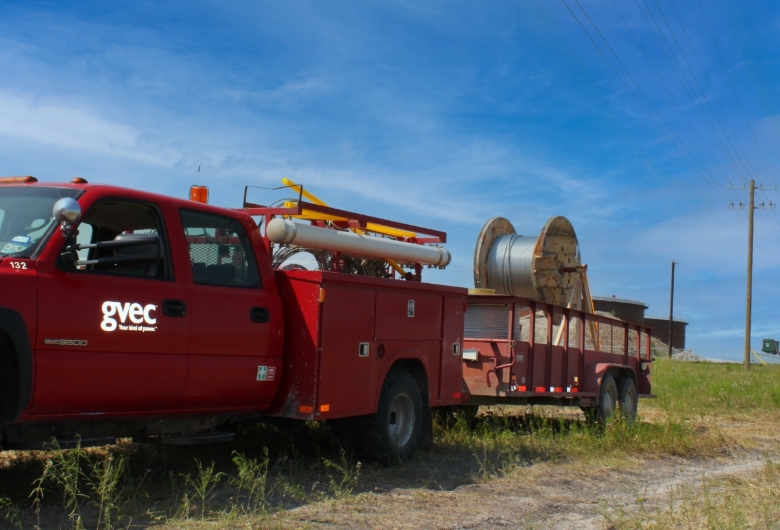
435,113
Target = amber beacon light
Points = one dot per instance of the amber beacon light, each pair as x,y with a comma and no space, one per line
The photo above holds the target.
11,180
199,194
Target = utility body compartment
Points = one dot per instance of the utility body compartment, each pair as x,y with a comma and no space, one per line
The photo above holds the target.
343,333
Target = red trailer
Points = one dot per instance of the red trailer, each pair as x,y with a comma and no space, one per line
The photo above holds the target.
521,352
130,314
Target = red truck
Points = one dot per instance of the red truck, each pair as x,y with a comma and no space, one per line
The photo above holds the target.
130,314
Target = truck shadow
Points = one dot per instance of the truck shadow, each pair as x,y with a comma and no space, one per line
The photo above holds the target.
284,466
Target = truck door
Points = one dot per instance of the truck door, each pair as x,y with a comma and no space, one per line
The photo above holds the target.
228,363
112,334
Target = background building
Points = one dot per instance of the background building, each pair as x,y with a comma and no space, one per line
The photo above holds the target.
626,310
660,330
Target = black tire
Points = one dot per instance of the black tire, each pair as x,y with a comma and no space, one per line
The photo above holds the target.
608,398
629,398
394,432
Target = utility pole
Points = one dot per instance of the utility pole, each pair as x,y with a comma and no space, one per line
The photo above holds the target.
749,291
749,297
671,311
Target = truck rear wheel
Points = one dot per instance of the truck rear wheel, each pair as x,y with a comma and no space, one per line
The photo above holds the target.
629,398
393,433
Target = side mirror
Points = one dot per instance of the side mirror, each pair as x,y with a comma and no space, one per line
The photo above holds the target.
66,211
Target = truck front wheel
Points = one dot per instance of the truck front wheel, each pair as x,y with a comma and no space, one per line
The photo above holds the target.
393,433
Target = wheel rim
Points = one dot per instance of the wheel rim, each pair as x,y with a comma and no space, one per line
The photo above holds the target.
400,421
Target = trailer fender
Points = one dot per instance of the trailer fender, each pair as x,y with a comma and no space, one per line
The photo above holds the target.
16,366
596,372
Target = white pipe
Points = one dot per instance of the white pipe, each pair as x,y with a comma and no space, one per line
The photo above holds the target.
304,235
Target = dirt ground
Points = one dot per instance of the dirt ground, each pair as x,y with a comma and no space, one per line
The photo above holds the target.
546,495
549,496
440,490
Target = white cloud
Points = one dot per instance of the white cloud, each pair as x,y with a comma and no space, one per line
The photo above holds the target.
65,125
62,125
290,92
714,241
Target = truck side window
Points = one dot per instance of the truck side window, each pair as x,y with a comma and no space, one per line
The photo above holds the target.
220,251
113,217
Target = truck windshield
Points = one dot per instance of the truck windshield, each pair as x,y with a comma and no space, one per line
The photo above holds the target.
26,218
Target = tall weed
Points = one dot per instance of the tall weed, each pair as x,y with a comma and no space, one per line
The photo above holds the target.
251,481
63,472
202,487
9,513
81,478
343,476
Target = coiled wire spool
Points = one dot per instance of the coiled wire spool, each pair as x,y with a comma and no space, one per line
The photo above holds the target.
509,264
531,267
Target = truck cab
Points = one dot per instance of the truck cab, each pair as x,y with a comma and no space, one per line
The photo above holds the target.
146,306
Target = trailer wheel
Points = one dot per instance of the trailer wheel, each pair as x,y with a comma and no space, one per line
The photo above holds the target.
629,398
393,433
608,398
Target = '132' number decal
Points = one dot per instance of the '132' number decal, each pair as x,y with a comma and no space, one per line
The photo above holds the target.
18,265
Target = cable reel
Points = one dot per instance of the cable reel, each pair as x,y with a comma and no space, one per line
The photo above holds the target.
547,268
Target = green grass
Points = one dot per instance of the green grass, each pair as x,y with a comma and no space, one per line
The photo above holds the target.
696,389
509,438
271,468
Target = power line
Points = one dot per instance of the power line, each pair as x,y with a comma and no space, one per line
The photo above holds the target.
772,257
741,108
773,210
768,249
712,89
714,184
668,90
701,91
687,85
762,244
